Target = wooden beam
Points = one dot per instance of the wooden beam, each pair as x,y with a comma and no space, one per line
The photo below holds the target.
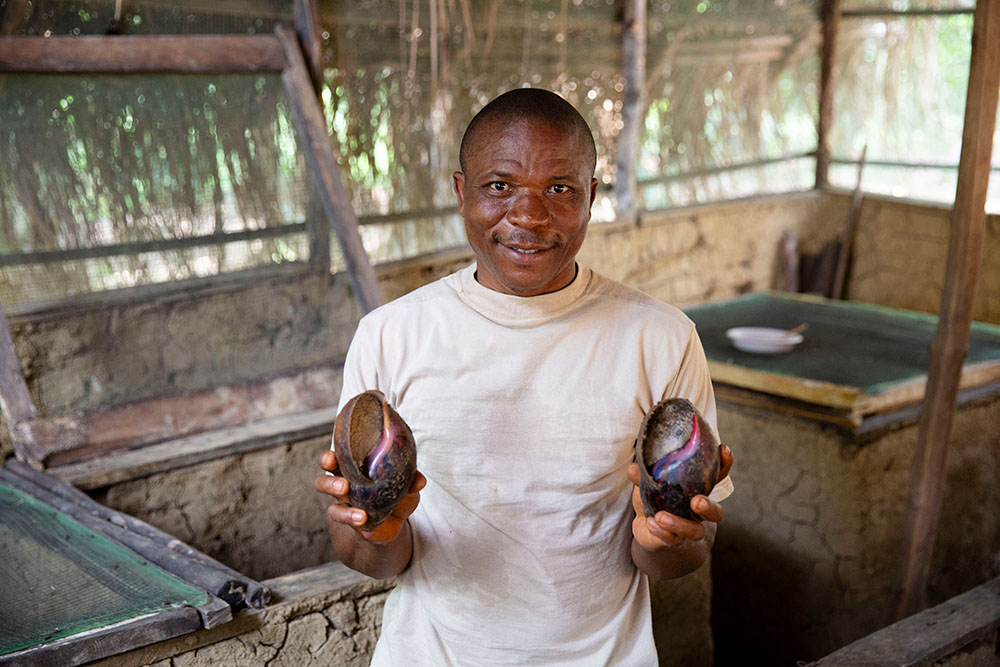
326,172
951,341
133,54
15,400
307,27
831,13
310,42
158,245
633,108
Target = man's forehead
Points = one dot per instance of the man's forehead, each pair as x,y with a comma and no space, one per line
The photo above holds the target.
492,149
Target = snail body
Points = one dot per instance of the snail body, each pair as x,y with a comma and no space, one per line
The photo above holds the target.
678,458
376,453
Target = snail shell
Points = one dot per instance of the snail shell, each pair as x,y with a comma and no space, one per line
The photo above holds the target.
376,453
678,458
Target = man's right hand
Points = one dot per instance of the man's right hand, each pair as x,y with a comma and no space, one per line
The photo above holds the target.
341,513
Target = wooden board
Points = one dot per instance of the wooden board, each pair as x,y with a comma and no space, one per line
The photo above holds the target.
857,358
146,53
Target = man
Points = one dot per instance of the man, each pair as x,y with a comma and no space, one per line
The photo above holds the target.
524,378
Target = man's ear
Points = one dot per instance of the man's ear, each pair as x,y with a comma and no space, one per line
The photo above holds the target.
593,191
458,182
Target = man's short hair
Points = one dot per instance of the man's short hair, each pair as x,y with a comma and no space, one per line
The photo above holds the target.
534,104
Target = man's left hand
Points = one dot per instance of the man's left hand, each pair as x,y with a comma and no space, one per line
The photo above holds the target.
665,530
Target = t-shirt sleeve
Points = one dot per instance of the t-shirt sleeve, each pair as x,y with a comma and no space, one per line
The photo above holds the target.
361,364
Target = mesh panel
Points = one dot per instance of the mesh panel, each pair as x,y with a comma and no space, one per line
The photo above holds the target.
150,163
905,100
60,579
728,83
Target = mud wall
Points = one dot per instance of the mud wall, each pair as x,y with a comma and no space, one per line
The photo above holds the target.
807,557
900,253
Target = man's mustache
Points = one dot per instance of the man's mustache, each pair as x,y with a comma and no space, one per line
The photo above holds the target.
524,238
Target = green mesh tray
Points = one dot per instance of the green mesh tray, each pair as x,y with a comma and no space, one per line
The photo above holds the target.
60,578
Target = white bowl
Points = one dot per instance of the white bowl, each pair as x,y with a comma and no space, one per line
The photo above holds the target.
763,340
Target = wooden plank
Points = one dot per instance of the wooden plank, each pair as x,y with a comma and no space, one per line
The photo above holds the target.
633,109
159,245
118,638
307,27
830,15
147,53
188,451
826,394
847,240
925,639
326,172
64,439
951,341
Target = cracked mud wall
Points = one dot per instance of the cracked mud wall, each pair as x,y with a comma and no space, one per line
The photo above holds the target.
256,512
807,556
900,253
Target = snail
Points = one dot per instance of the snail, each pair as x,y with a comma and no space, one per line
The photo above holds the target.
678,458
376,453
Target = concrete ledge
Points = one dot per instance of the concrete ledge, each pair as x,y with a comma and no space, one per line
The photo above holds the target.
325,615
956,630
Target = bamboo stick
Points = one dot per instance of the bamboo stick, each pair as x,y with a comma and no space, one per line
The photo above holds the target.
950,344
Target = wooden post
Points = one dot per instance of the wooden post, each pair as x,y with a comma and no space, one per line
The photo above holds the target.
633,107
951,342
326,172
307,27
827,82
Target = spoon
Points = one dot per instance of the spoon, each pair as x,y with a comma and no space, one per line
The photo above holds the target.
797,330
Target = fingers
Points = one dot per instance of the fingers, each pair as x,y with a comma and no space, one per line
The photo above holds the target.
328,461
340,511
726,458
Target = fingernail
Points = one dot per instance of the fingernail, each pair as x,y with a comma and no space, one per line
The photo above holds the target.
338,487
357,517
701,504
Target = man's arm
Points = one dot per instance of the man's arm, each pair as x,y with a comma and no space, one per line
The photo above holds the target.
667,546
382,553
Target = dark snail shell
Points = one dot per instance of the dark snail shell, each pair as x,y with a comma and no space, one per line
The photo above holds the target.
376,453
678,458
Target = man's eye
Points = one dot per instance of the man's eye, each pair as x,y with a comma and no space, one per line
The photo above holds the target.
499,186
559,188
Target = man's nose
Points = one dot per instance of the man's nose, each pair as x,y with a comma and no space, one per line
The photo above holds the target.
528,210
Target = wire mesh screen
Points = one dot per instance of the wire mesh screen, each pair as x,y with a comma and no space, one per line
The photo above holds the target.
60,579
113,181
903,97
729,84
141,17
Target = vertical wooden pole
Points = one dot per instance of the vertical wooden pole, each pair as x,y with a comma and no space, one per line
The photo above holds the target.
827,83
307,28
951,341
634,70
326,171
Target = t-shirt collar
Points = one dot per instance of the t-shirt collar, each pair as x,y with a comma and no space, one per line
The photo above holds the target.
509,308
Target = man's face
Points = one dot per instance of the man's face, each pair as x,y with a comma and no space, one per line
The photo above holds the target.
525,196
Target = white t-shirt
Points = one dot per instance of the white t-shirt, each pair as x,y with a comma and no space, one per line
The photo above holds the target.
525,411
